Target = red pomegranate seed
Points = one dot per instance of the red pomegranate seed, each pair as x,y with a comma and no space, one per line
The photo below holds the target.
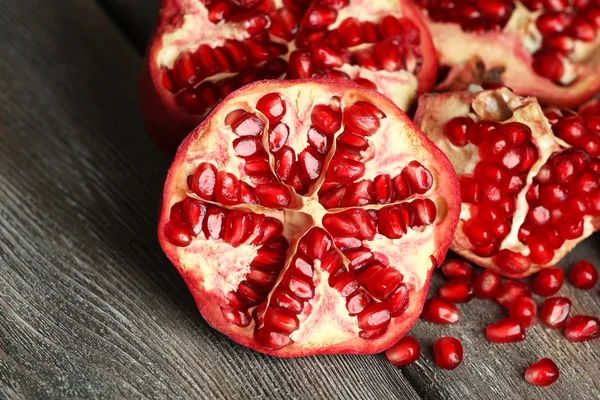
178,234
581,328
511,291
511,262
272,106
508,330
448,352
455,268
456,291
470,190
549,66
361,119
456,130
583,275
374,317
548,281
523,310
542,373
487,284
406,351
439,311
555,311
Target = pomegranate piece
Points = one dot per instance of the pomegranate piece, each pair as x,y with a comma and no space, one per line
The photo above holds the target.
448,352
440,311
406,351
583,275
531,46
508,330
530,178
581,328
555,311
313,262
548,282
543,372
201,51
487,284
457,291
455,268
523,310
512,290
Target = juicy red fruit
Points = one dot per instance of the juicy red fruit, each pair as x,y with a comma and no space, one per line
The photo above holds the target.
523,310
448,352
548,282
512,290
457,291
583,275
406,351
543,372
314,262
440,311
555,311
508,330
455,268
581,328
487,284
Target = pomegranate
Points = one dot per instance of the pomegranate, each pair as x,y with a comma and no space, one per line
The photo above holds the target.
456,268
549,281
528,196
555,311
543,372
448,352
508,330
440,311
512,290
583,275
487,284
406,351
545,48
581,328
202,50
306,217
523,310
457,291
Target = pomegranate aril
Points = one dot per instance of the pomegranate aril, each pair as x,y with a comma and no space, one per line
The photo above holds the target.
423,212
583,275
391,222
248,125
286,300
300,287
319,17
552,22
555,311
214,223
193,213
300,64
272,106
511,262
581,328
384,282
439,311
382,188
362,118
261,277
398,301
236,316
480,130
326,119
581,29
406,351
470,190
455,268
508,330
374,317
345,283
321,143
400,187
543,372
280,320
272,339
418,178
477,234
523,310
350,32
315,244
178,234
227,188
237,228
345,170
273,195
548,65
511,290
358,302
456,291
493,146
249,293
548,282
456,130
448,352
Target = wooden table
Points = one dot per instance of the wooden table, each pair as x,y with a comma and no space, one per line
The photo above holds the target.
90,307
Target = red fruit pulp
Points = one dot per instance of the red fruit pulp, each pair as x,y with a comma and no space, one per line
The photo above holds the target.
523,310
455,268
406,351
286,242
555,311
583,275
440,311
487,284
543,372
448,352
581,328
508,330
512,290
457,291
548,281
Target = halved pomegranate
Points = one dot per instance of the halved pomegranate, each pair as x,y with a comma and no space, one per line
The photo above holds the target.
202,50
306,217
546,48
529,196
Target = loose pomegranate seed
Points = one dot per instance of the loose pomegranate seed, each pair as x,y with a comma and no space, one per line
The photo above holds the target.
455,268
523,310
406,351
508,330
456,291
439,311
555,311
542,373
487,284
511,291
581,328
456,130
548,281
583,275
448,352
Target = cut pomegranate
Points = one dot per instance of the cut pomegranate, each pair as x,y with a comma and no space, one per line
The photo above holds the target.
583,275
406,351
548,282
203,50
286,249
555,311
457,291
530,189
455,268
523,310
512,290
543,372
530,46
439,311
487,284
448,352
508,330
581,328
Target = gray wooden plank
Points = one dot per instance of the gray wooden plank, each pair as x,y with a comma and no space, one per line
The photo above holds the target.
89,306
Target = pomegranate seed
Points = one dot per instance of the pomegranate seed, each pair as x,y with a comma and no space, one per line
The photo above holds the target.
470,190
177,234
456,130
455,268
583,275
418,178
248,125
540,252
493,146
581,29
374,317
272,106
508,330
406,351
326,119
548,281
552,22
319,17
272,339
487,284
398,302
549,66
542,373
581,328
358,302
456,291
361,119
511,291
555,311
511,262
523,310
439,311
448,352
477,132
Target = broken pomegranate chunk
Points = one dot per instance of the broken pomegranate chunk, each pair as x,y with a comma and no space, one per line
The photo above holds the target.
270,216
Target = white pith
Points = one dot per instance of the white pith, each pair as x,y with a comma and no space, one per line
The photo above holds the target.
411,255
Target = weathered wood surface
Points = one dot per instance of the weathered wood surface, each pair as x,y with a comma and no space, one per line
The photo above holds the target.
89,306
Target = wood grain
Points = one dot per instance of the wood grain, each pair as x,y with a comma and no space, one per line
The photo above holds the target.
89,306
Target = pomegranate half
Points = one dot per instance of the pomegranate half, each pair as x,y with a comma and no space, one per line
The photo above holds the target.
545,48
530,190
202,50
306,217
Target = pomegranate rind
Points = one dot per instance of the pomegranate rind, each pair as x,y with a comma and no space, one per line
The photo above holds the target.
208,300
